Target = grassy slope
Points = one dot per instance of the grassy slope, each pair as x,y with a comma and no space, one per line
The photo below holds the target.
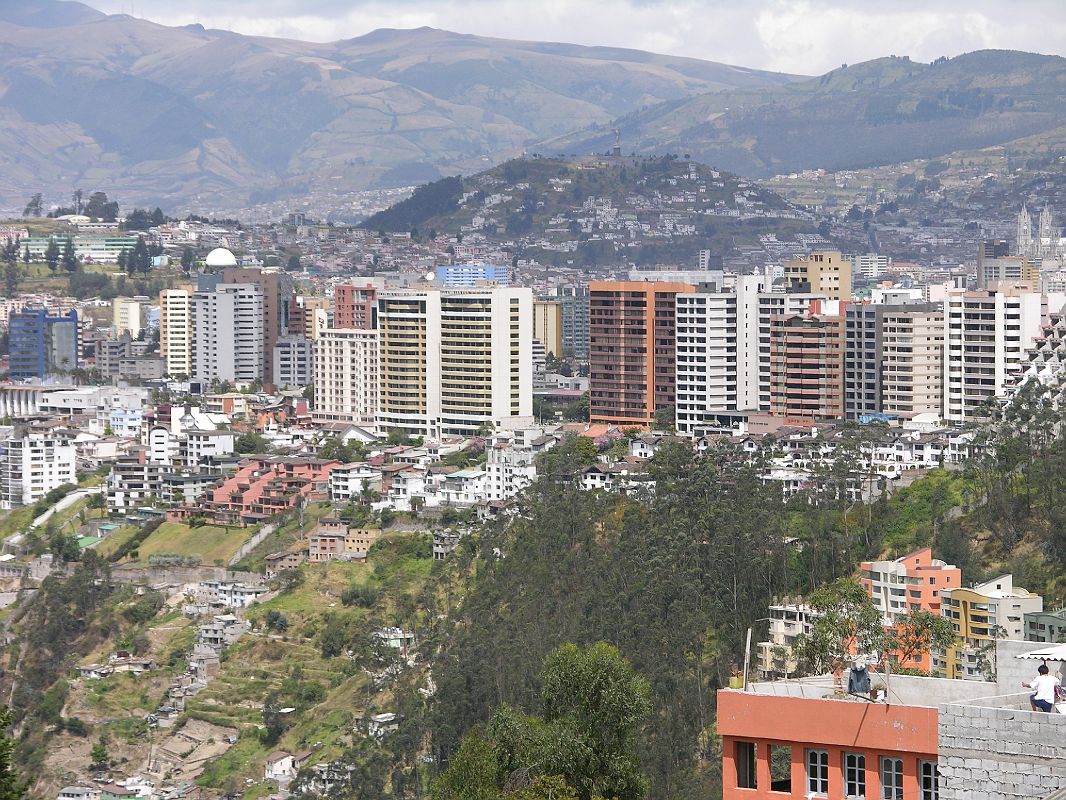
214,545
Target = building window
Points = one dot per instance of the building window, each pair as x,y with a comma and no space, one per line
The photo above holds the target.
744,758
817,772
929,780
855,776
891,778
780,757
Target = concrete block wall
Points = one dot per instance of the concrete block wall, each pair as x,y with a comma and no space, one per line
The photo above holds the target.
989,753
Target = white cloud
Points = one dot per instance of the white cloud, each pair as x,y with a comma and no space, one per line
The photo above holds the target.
803,36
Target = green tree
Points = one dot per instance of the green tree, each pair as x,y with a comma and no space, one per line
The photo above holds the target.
187,259
917,633
140,258
99,207
252,442
35,206
848,623
665,419
51,255
12,786
11,279
70,258
99,755
473,774
577,411
293,264
593,703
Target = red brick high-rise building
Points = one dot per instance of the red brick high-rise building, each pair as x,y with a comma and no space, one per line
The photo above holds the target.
354,307
807,365
632,344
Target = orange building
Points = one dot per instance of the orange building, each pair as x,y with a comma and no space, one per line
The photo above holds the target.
807,366
632,344
811,744
910,583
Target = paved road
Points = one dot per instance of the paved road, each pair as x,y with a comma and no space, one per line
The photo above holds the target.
66,502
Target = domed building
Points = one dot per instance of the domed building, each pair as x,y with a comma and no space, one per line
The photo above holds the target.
220,257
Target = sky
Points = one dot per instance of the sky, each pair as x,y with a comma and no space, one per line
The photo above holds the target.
799,36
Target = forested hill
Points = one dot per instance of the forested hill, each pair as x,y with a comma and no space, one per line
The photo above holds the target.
674,578
610,207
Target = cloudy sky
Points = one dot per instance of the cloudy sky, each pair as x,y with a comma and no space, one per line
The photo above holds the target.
802,36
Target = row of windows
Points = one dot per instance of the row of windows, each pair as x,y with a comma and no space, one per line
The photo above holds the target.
816,773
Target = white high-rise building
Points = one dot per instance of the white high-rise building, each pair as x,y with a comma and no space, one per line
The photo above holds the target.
870,265
455,359
723,348
986,336
346,376
228,334
717,352
294,361
31,466
175,330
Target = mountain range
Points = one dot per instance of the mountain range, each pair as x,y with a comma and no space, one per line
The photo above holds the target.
211,120
188,115
878,112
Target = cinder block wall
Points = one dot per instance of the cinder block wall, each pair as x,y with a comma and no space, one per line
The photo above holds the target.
1000,753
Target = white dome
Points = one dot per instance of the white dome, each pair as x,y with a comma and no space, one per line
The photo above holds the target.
221,257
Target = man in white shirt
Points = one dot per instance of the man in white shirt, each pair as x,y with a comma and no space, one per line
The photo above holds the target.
1043,698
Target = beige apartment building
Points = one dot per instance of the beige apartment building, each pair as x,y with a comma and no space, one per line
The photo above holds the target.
175,330
826,273
346,376
548,325
912,360
452,360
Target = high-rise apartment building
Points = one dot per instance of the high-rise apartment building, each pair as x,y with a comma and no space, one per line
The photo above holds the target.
706,357
347,382
129,315
717,352
986,336
807,366
40,344
1012,269
354,306
228,338
32,465
575,320
825,273
294,361
893,359
458,276
770,305
175,330
277,296
632,340
452,360
870,265
308,316
548,325
981,614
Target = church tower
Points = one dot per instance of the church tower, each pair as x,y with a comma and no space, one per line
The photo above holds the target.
1025,233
